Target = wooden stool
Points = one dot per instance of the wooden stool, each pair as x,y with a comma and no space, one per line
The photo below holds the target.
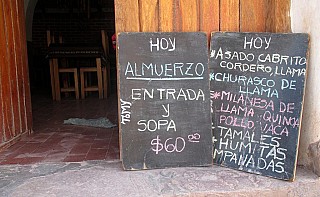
101,88
75,88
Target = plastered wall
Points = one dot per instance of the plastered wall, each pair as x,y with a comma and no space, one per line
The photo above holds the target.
305,18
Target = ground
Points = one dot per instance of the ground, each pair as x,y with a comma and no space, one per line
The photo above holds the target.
105,178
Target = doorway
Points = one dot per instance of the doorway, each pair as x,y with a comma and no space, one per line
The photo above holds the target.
52,140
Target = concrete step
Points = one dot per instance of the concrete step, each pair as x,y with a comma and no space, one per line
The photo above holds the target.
101,178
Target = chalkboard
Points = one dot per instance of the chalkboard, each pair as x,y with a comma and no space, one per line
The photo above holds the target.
256,90
164,98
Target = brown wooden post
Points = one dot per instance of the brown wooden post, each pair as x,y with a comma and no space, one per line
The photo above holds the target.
230,15
149,15
253,16
3,62
189,10
127,15
166,15
278,16
25,70
8,76
20,47
15,100
209,16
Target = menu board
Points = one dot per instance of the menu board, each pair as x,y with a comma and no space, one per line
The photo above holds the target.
257,87
164,98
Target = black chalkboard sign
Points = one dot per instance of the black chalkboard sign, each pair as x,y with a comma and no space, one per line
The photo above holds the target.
257,86
164,98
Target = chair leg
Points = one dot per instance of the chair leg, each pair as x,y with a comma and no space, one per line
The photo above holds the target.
99,74
109,79
76,84
82,84
105,82
53,90
65,82
56,79
68,88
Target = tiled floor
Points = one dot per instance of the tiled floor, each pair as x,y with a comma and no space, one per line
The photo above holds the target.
53,141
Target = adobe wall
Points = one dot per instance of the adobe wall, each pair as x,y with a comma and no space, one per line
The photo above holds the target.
305,17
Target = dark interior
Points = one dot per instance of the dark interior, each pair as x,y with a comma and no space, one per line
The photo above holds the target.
75,21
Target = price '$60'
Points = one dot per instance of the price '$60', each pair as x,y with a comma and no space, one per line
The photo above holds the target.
171,145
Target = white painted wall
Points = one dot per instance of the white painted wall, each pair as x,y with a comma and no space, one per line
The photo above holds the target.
305,17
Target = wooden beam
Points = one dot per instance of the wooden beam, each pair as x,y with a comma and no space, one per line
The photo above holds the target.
278,16
25,69
189,10
18,66
209,16
3,62
166,15
127,16
11,25
253,16
229,15
149,15
6,75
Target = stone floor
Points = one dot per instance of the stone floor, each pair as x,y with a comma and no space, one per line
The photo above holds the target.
52,141
105,178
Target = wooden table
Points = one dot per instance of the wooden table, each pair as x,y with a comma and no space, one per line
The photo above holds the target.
58,51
